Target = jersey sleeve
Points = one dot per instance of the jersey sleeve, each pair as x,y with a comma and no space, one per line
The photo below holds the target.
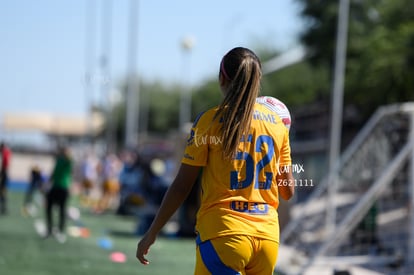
285,157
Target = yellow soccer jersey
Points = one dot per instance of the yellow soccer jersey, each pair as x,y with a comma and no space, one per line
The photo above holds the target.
239,196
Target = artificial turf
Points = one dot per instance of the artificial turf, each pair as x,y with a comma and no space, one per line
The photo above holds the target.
24,252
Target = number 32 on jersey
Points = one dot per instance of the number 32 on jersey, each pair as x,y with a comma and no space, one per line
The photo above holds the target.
254,167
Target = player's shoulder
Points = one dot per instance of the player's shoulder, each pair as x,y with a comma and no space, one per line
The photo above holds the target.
277,106
272,103
205,116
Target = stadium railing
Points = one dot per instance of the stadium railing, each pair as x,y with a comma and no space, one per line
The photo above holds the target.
373,227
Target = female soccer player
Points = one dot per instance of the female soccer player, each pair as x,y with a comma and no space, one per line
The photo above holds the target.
243,150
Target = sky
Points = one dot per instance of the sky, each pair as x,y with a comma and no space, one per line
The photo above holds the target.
46,48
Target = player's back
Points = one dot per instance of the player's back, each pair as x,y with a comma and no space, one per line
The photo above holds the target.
242,191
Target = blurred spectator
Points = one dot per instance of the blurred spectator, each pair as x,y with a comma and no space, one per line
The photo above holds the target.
130,177
36,182
158,184
109,169
61,180
153,186
89,176
4,175
142,187
188,211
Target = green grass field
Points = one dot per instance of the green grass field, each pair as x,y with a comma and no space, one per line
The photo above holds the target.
24,252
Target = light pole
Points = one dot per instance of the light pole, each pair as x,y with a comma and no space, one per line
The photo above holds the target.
90,18
337,106
187,44
132,93
105,70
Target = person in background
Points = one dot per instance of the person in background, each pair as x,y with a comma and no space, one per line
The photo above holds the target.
89,177
4,175
242,151
35,183
61,180
188,212
154,187
130,177
109,169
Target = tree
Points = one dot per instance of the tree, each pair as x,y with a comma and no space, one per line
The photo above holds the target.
381,56
158,108
379,53
206,96
298,84
163,104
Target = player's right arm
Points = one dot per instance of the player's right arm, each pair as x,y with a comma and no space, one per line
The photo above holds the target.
175,196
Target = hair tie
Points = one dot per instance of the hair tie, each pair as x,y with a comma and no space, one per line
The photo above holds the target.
224,71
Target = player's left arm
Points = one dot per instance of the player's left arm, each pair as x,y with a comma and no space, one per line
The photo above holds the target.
286,182
285,179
